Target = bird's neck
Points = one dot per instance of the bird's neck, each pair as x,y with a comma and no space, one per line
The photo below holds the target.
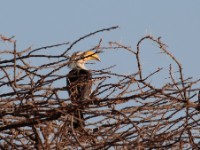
81,65
77,66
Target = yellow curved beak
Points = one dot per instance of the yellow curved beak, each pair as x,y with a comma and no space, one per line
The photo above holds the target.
90,55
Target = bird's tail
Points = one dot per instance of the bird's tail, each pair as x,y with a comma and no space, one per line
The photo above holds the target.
78,119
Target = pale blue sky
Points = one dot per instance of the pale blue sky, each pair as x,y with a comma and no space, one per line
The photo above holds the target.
41,23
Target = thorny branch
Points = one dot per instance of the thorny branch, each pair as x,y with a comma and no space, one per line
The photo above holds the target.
127,112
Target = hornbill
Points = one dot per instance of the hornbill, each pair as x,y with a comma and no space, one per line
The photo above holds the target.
79,82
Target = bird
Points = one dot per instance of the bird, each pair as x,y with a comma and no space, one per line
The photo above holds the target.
79,83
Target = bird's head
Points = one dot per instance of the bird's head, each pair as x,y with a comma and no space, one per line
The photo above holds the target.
78,59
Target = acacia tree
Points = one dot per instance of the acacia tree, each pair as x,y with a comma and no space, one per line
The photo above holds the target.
126,113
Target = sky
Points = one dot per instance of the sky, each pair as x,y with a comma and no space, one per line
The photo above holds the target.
41,23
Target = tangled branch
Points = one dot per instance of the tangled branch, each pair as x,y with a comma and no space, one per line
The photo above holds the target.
127,112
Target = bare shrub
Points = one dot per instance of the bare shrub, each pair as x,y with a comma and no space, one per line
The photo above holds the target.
128,112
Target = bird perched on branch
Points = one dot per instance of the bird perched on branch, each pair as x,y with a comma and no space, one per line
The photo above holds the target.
79,81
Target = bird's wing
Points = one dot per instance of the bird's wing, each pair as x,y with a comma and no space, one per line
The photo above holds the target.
80,84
